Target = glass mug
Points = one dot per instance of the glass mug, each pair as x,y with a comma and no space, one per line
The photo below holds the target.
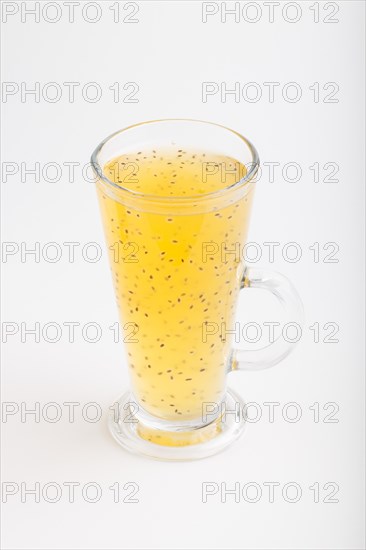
175,197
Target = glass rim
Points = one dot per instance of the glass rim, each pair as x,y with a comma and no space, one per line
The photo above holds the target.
202,196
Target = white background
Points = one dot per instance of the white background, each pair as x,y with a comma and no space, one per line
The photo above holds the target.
169,53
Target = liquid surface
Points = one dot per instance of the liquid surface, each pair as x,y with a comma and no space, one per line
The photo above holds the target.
177,173
176,278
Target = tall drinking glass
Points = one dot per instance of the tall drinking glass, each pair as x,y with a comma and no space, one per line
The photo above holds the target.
175,197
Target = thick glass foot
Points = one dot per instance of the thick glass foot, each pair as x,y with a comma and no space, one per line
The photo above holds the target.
139,433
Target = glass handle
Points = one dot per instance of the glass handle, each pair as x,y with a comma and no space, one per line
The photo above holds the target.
283,290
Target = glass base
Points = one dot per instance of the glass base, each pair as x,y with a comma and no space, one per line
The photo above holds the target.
146,435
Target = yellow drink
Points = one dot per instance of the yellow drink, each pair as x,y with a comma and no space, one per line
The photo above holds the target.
167,287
